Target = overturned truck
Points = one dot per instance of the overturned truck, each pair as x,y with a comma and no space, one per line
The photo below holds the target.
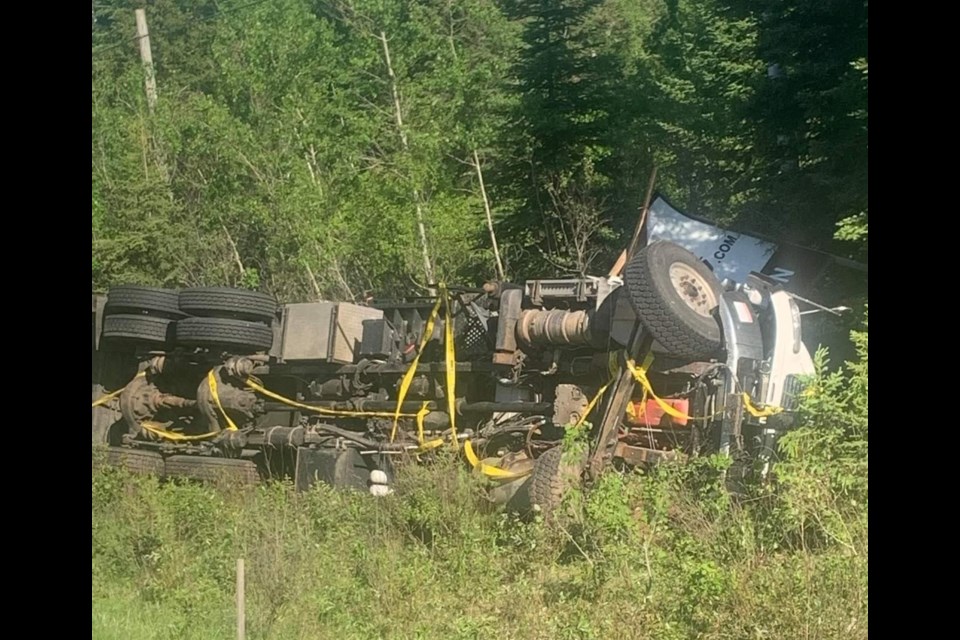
663,362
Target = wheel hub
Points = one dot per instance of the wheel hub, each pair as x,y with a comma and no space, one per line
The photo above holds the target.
138,404
692,289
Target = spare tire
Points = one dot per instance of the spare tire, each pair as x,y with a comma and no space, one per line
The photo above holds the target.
153,300
226,302
674,295
137,328
230,333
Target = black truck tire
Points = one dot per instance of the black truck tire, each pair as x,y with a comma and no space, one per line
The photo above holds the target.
107,427
151,300
226,302
225,332
140,328
212,469
674,295
104,418
134,460
553,475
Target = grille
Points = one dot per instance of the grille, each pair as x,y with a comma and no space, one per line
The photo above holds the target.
472,339
793,388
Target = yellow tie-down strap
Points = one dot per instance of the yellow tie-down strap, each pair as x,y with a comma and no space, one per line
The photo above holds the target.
425,445
113,394
212,381
255,385
158,430
173,436
591,405
154,427
412,371
450,359
419,415
757,412
639,373
489,470
502,474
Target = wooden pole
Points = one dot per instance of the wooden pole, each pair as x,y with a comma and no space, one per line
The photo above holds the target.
643,215
625,255
619,264
241,605
146,56
150,83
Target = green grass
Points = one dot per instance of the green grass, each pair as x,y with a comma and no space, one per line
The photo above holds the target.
639,557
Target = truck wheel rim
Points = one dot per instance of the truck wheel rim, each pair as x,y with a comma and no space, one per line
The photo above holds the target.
692,288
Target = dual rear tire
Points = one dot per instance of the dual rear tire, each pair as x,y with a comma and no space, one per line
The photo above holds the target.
234,319
184,467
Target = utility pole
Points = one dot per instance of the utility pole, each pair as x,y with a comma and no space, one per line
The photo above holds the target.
150,80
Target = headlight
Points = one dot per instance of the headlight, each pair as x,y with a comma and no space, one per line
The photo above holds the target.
795,318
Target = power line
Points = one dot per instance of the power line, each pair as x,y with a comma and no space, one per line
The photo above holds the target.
217,14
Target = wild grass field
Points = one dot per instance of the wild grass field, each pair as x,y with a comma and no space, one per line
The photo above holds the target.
639,557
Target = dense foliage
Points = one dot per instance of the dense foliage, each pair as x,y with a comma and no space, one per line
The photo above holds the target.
324,148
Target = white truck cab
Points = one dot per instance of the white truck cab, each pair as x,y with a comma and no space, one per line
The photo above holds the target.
766,359
788,357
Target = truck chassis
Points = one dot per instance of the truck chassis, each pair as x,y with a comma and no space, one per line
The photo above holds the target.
662,364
